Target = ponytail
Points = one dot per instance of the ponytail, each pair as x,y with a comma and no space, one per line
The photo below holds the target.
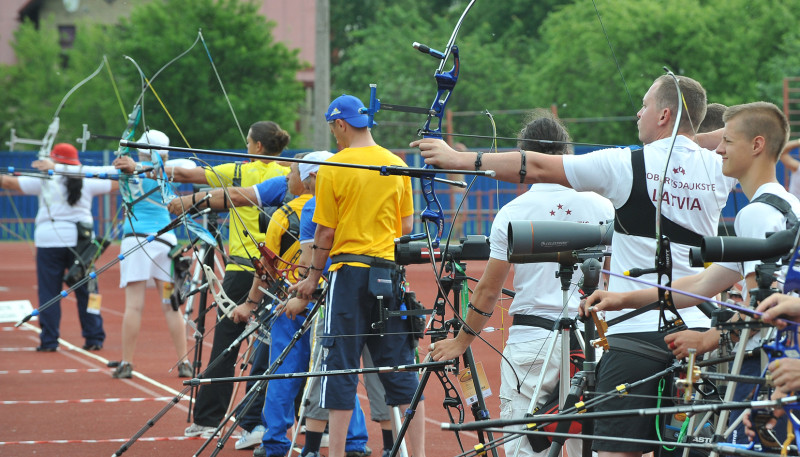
74,188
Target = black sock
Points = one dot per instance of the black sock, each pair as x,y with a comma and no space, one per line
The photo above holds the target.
388,439
313,439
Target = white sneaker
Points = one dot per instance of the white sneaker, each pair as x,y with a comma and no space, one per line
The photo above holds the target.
325,440
251,438
199,430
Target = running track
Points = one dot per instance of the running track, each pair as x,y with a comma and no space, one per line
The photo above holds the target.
66,403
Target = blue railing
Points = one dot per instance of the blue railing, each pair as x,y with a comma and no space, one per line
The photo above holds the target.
17,212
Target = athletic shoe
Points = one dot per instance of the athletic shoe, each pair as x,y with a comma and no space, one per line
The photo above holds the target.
184,370
92,347
311,454
386,453
261,451
251,438
199,430
124,370
365,453
44,349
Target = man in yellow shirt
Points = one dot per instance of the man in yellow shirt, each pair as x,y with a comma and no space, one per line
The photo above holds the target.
359,214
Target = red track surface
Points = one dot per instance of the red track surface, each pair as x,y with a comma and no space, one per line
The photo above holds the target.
33,421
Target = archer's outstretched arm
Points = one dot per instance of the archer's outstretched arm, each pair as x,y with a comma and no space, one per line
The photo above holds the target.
507,165
239,196
10,183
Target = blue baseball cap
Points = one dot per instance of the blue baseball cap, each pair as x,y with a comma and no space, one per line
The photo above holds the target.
347,108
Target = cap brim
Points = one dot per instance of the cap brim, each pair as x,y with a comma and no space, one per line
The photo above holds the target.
360,121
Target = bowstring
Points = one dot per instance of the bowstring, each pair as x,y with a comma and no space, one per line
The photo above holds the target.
224,92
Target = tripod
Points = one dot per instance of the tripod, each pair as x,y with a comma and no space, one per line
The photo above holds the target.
569,392
452,283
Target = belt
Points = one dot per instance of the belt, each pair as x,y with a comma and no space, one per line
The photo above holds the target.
365,259
534,321
640,347
243,262
144,235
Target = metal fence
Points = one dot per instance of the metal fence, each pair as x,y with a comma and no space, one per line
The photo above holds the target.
486,196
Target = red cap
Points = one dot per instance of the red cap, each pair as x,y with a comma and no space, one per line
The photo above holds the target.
65,153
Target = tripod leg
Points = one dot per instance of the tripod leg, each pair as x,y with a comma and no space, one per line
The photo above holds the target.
539,382
396,424
410,411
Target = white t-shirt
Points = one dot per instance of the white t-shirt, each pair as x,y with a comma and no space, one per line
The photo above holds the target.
694,194
538,291
55,220
755,220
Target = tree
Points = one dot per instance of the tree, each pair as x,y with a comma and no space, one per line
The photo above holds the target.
35,85
405,77
723,44
258,74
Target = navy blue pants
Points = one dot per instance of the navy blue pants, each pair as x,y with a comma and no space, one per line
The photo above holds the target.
352,306
51,263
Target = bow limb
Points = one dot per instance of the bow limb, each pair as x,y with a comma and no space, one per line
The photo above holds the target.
52,129
445,83
225,304
452,402
167,194
46,143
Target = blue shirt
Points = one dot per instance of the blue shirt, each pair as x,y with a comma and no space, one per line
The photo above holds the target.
308,227
307,224
272,191
149,214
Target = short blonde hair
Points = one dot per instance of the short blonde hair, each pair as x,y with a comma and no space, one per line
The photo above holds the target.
761,119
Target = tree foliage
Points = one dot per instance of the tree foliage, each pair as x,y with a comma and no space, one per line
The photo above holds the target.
35,85
740,50
515,56
258,74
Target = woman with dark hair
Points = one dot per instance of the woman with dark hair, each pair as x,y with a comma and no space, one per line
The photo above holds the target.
264,138
65,205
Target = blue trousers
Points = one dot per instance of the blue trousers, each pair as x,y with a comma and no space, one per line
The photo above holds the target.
352,299
278,412
51,263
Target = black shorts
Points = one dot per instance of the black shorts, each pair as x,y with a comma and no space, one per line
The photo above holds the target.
629,363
